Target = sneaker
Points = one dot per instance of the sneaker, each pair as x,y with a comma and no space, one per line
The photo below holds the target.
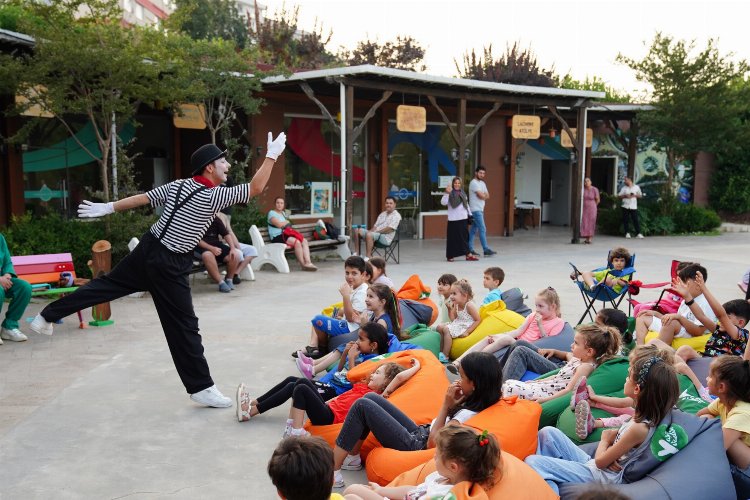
474,252
304,369
41,325
298,433
211,397
229,283
705,395
489,252
224,287
243,404
452,367
13,334
471,258
584,420
639,236
236,280
627,235
338,479
352,462
580,393
305,358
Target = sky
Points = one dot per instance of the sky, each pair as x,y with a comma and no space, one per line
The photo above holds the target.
582,38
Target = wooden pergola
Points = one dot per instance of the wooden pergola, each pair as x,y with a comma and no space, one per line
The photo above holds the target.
376,85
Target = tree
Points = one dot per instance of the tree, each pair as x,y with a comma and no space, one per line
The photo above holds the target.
516,66
85,64
208,19
596,84
281,44
697,105
403,53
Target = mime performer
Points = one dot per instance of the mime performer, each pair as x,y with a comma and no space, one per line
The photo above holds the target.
162,261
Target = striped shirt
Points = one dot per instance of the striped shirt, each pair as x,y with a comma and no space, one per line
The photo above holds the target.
191,220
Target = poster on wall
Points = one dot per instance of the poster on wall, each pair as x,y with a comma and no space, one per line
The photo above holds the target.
321,198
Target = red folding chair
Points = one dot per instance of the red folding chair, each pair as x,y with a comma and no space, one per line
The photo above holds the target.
669,300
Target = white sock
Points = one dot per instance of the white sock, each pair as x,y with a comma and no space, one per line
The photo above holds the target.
289,422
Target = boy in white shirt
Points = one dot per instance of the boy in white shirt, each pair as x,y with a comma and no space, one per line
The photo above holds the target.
682,324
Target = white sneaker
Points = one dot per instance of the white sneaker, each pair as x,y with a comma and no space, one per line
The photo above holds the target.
41,325
352,462
627,235
298,433
338,479
13,334
640,236
212,397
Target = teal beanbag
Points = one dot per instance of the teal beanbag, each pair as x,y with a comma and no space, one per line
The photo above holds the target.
606,379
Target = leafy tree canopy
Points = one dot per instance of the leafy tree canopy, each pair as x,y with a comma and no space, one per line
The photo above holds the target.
403,53
516,66
596,84
207,19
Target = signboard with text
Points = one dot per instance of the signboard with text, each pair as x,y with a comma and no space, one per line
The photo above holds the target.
525,127
411,118
567,142
190,116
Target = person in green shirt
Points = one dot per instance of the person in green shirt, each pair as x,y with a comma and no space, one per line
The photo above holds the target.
15,289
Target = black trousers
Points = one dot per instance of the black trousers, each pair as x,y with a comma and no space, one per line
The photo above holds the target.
164,274
632,214
307,395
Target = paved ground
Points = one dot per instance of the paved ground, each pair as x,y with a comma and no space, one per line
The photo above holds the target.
100,413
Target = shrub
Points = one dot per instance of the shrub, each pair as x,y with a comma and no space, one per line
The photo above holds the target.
51,233
730,189
244,216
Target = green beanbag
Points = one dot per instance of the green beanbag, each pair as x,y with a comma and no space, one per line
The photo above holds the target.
424,337
606,379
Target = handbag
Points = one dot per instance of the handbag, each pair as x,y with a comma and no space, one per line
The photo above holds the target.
290,232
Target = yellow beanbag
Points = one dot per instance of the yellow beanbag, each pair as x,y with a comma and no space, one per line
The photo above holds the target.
328,311
513,421
516,480
495,319
697,343
420,398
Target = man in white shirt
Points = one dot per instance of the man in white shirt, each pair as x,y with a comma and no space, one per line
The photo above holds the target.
629,195
382,231
478,194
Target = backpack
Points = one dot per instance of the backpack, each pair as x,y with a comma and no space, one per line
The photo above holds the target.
332,231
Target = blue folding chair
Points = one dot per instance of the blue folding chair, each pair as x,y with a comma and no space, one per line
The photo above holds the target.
601,292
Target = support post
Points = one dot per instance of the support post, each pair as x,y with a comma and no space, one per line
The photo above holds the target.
101,263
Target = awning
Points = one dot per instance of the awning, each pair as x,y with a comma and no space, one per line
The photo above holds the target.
68,153
550,148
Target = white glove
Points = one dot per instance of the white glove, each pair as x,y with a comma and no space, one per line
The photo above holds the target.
90,209
275,147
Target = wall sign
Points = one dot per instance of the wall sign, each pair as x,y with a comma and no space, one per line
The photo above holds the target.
411,118
525,127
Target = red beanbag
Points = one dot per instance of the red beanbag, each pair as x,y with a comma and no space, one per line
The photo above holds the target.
419,398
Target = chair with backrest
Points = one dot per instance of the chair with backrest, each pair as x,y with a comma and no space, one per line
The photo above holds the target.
601,292
390,251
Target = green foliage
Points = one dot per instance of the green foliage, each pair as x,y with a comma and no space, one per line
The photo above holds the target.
210,19
52,233
597,84
657,217
517,66
9,17
404,53
245,216
730,188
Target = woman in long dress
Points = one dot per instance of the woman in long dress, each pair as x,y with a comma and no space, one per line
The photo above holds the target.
457,239
590,203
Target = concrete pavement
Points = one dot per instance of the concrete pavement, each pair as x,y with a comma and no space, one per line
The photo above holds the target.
101,413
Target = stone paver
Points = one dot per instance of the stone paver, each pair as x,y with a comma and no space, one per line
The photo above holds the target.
100,413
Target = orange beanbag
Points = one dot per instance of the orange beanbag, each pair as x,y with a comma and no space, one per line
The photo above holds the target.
419,398
414,289
517,481
513,421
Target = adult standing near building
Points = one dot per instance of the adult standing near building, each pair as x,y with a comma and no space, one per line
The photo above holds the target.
15,289
457,238
161,262
590,209
383,231
629,195
478,194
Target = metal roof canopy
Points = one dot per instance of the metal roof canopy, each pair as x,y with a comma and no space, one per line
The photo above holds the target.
379,85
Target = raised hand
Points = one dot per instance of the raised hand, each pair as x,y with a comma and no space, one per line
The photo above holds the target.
275,147
91,209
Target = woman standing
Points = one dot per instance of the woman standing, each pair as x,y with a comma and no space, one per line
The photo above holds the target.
457,242
277,221
590,203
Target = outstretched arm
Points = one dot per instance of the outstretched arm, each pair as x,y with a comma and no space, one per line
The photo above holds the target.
89,209
273,150
402,377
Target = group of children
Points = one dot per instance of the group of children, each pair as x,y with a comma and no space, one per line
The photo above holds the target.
651,388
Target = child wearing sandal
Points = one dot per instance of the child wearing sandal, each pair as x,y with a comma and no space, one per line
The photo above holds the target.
592,346
372,341
460,455
729,381
463,313
381,303
353,292
652,384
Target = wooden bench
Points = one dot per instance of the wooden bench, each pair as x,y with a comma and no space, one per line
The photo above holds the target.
43,272
275,253
246,274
